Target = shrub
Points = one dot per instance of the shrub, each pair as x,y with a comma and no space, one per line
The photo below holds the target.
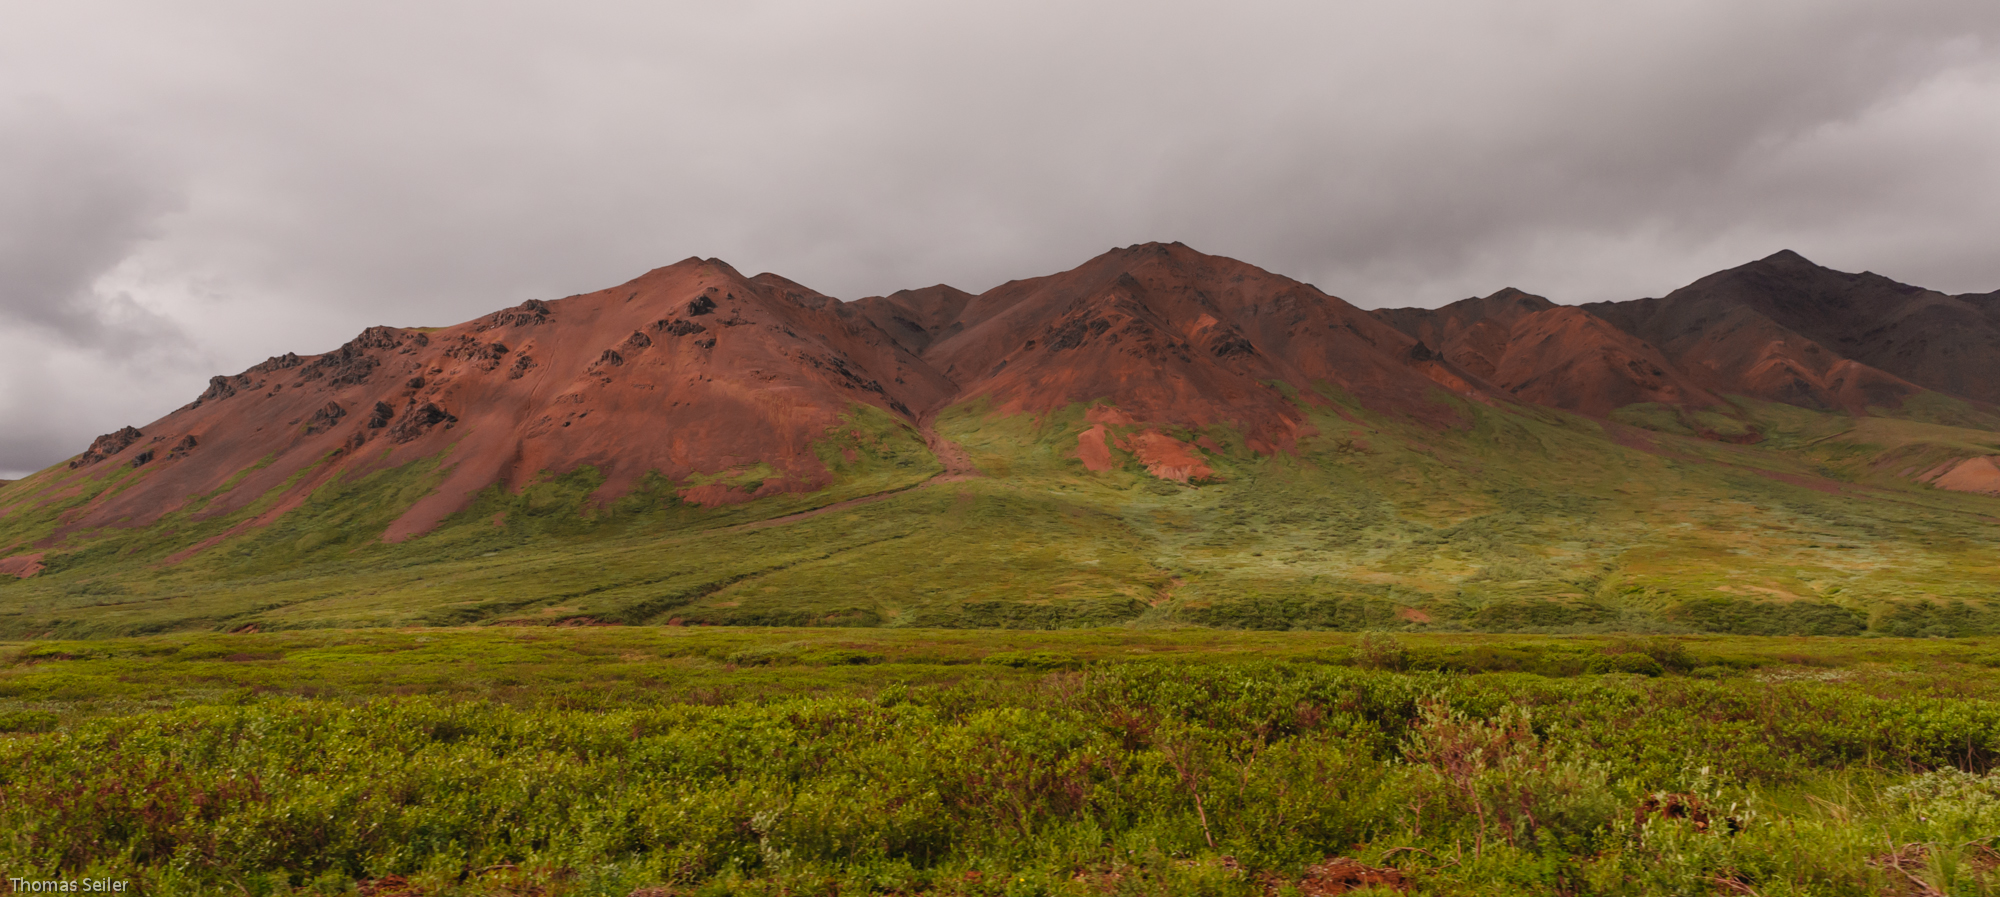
1638,664
1380,651
1033,660
28,721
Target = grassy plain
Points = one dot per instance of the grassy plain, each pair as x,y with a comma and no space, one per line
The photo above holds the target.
693,760
1519,519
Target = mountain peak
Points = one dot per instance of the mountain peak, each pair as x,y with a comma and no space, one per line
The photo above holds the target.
1510,296
1785,257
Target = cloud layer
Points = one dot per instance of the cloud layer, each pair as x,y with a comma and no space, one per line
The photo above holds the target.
187,189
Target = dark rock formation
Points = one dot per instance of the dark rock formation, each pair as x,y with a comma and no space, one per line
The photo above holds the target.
107,445
419,420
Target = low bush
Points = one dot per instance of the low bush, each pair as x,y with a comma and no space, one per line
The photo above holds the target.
1207,775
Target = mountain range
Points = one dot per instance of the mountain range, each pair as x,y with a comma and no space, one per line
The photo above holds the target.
1126,441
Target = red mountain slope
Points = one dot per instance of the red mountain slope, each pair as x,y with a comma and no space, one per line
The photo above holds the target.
1174,336
690,369
1785,329
1532,350
1947,343
1474,332
916,318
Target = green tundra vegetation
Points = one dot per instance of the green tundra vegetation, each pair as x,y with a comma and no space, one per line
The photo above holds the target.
1742,651
1516,519
656,761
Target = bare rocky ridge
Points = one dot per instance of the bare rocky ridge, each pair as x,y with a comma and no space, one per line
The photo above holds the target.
106,446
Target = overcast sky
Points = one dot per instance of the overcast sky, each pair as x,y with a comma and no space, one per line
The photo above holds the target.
189,187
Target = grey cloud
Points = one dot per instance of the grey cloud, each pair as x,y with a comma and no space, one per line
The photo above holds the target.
72,207
339,165
77,358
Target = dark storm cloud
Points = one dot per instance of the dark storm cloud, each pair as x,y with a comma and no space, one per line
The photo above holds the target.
267,178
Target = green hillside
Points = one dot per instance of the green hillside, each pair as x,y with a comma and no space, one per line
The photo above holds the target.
1518,519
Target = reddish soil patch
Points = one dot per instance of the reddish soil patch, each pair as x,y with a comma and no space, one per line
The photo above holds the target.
1340,875
1166,457
1093,449
22,566
1412,614
1107,414
1679,806
1972,475
714,495
958,465
1444,377
388,886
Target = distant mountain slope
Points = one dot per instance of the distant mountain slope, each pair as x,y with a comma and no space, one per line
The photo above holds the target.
1786,329
1477,325
1532,350
1936,341
915,318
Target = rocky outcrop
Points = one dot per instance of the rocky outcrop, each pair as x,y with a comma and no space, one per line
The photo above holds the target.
678,327
107,445
527,314
419,420
346,366
324,419
220,387
483,354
